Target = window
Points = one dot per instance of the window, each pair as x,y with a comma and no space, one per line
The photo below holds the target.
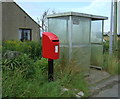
25,34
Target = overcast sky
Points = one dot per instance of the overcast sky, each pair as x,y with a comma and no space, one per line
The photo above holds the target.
97,7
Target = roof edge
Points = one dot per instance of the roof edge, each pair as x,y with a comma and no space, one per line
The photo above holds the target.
93,17
26,14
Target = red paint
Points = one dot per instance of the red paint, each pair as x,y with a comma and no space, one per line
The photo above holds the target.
49,41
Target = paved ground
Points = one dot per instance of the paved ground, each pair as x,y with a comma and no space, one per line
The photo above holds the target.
97,76
110,92
102,84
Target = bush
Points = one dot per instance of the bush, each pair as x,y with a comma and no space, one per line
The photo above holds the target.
31,48
23,62
106,46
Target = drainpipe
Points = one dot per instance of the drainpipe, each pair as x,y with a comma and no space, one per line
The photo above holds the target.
115,25
111,30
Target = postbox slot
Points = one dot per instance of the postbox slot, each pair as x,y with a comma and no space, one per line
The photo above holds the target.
55,40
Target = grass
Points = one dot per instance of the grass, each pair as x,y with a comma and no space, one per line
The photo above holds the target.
71,76
111,62
15,83
25,76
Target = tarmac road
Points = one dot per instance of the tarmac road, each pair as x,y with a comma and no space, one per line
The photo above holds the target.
111,92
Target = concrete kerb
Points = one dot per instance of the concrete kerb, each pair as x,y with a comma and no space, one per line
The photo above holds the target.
95,89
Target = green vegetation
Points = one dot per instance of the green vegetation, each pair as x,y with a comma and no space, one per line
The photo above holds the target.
26,75
23,62
111,62
24,83
119,49
106,46
33,49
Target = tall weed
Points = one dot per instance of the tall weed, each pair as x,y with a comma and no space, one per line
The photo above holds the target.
70,76
15,84
111,63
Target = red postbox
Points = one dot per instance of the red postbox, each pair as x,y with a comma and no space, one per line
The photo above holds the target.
50,50
50,45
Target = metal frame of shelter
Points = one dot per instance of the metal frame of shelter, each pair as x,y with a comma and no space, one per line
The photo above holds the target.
81,36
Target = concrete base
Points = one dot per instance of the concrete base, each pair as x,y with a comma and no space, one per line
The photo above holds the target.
99,81
96,76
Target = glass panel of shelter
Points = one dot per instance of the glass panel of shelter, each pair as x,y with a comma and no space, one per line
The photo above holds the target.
97,42
59,26
96,31
81,31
